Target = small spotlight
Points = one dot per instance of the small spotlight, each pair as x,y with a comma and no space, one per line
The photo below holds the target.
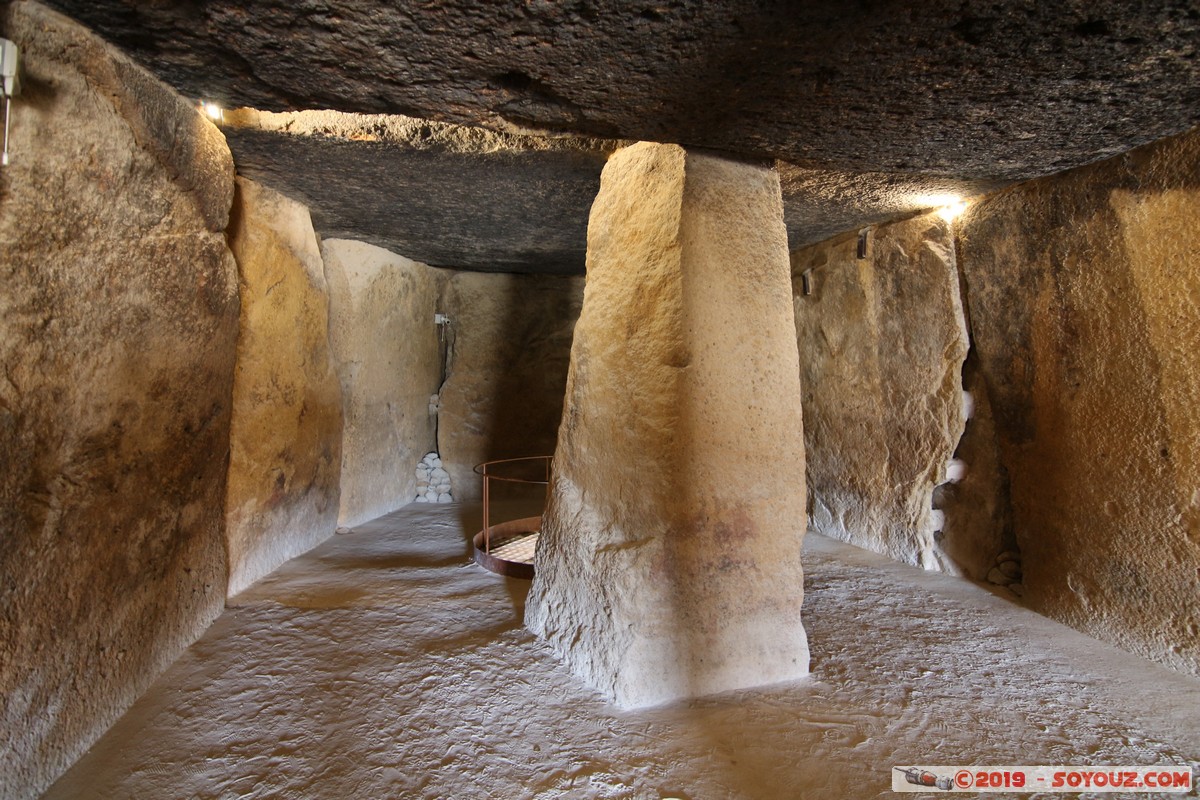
947,206
213,111
951,211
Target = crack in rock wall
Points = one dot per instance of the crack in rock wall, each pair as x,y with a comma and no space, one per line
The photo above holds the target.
976,506
118,326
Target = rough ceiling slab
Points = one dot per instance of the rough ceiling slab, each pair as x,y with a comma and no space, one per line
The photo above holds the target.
868,105
471,198
446,195
960,88
819,203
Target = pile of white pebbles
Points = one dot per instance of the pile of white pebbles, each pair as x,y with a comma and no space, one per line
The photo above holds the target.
433,482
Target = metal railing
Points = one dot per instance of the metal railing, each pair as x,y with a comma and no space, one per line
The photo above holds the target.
530,470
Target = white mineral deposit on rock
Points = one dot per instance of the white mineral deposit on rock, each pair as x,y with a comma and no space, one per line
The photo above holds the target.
956,470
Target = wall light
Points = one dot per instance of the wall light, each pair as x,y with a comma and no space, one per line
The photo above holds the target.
212,111
946,206
951,211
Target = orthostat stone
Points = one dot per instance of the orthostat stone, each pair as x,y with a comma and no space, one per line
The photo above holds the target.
669,559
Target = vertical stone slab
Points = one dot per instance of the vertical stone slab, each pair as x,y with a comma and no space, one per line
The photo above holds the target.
118,325
285,442
669,564
385,346
1084,306
884,339
510,350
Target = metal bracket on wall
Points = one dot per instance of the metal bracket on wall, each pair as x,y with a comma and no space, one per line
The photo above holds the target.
442,322
864,243
10,85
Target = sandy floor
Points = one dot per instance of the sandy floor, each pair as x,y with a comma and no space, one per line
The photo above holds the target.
385,665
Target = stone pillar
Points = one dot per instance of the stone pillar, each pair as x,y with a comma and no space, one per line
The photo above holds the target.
669,563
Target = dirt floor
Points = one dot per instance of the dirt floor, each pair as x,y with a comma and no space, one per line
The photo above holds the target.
385,664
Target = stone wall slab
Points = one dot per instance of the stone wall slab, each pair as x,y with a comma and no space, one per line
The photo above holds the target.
118,324
286,436
386,347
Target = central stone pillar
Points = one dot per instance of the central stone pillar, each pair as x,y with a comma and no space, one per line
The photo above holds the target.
669,561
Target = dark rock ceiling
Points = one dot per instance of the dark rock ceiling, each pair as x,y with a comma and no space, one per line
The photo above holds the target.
446,195
869,102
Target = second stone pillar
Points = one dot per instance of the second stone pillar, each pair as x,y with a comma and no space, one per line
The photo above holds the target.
669,561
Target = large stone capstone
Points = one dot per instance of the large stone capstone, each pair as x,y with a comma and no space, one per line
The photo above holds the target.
875,113
943,87
669,563
441,194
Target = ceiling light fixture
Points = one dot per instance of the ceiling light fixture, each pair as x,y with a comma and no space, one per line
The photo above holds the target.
946,206
952,211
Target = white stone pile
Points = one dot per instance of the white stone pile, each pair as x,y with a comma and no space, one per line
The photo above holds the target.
433,482
1007,572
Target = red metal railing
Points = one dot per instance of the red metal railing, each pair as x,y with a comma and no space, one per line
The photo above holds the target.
531,470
